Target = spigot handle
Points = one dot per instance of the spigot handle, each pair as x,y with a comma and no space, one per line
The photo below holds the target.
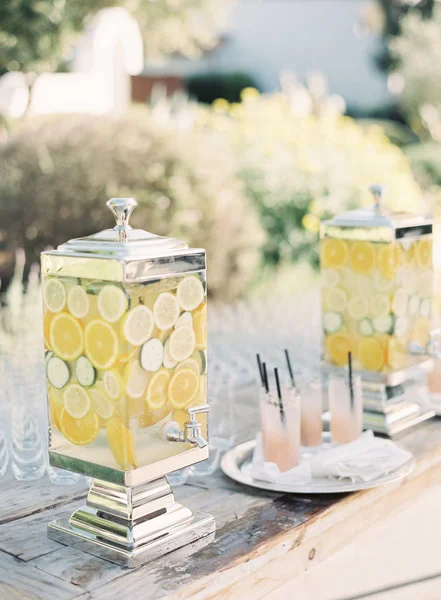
195,410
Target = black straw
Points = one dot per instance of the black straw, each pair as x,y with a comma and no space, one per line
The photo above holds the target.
291,374
259,364
265,378
279,395
351,387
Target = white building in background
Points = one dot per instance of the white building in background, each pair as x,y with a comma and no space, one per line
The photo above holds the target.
266,37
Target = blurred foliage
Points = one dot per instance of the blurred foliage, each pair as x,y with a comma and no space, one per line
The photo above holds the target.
36,35
385,17
425,160
57,173
301,161
418,52
207,87
399,134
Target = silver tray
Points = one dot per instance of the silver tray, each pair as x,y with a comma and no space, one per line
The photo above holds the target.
237,461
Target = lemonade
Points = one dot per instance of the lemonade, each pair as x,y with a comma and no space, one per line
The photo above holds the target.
376,300
122,360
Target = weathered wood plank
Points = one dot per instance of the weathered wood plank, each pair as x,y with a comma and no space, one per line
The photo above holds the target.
23,498
18,577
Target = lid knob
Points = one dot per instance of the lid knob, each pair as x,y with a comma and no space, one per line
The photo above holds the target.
122,208
377,191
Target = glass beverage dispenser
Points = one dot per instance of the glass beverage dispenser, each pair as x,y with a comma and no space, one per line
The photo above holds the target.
377,282
126,364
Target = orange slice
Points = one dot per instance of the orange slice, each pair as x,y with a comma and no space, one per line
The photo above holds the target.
371,354
101,344
66,336
183,388
121,443
333,253
79,431
388,259
361,257
338,345
423,254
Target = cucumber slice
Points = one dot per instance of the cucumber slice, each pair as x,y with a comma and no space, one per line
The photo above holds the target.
426,308
47,355
203,355
332,321
85,371
58,373
95,287
365,327
152,354
383,324
413,306
401,326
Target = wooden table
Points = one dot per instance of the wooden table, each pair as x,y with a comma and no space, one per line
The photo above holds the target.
263,539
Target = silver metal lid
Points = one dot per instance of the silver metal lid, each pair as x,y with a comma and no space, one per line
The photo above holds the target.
377,216
123,241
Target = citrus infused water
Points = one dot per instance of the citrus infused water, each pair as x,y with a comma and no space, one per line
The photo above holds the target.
376,300
121,360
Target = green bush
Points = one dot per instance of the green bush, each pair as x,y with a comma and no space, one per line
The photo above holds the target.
57,173
208,87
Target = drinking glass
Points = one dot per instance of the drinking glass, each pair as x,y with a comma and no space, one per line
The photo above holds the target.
311,401
281,428
346,413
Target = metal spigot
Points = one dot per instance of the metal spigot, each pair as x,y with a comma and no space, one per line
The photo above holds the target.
192,430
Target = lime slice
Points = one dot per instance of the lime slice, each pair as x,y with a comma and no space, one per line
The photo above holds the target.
78,302
358,307
166,311
112,303
101,404
136,380
399,303
330,278
113,384
138,325
335,299
185,319
54,295
380,305
190,293
191,364
76,401
182,342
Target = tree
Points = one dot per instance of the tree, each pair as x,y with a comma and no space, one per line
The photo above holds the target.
35,35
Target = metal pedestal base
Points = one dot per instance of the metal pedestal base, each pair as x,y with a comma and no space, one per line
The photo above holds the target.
131,526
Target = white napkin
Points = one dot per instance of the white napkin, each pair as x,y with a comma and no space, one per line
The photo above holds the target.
364,460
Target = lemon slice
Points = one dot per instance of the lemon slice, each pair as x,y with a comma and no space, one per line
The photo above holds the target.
358,307
152,354
79,431
76,401
380,305
112,303
78,302
338,346
151,417
335,299
371,354
182,343
191,364
200,327
66,336
121,443
165,311
362,257
101,344
168,361
330,278
185,319
190,292
333,252
400,302
156,396
54,295
138,325
136,380
101,404
183,388
113,384
382,284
